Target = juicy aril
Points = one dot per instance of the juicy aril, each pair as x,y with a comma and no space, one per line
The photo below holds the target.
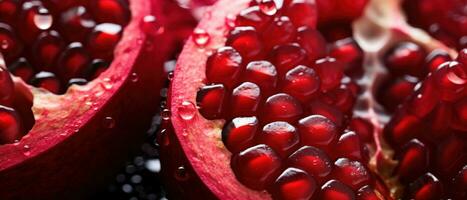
289,99
82,90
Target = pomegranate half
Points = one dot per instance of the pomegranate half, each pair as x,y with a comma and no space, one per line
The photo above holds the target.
79,137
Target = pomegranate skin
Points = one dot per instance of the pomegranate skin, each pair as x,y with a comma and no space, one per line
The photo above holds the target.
94,126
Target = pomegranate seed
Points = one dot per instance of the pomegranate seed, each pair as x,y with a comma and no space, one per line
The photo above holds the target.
302,83
349,146
461,110
268,7
313,160
6,86
103,40
263,73
336,31
348,51
239,133
211,99
34,19
113,11
253,16
334,189
413,160
22,69
363,128
439,120
280,136
351,173
317,130
395,91
282,107
9,125
224,66
77,81
425,98
96,67
285,57
426,187
73,61
302,13
58,6
328,111
48,81
343,98
402,128
405,58
246,41
294,184
451,80
256,166
435,59
76,23
450,155
460,182
330,71
280,31
10,46
245,99
368,193
462,58
313,42
47,48
8,10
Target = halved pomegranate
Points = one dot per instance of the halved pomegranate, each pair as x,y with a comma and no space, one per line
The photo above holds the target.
95,54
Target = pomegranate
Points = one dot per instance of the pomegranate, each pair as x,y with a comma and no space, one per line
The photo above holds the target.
69,114
302,99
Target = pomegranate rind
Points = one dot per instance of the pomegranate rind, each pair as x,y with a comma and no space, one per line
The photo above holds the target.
79,139
200,138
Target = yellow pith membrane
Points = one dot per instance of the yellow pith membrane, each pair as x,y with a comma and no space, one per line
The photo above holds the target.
288,105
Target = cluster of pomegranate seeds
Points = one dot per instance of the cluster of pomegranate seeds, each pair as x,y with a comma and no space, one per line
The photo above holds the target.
429,134
444,20
287,101
51,44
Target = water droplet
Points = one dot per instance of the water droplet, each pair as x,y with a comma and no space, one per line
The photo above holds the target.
106,83
27,152
134,77
201,37
108,122
43,20
16,142
187,110
230,20
4,44
151,25
170,76
163,138
268,7
165,114
181,174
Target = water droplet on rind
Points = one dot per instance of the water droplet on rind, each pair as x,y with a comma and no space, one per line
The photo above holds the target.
201,37
187,110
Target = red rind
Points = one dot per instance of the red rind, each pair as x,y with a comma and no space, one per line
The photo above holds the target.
72,147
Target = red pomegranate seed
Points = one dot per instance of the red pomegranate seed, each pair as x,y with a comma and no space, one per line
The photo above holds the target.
246,41
96,67
282,107
334,189
6,86
313,160
239,133
280,136
435,59
426,187
405,58
439,120
8,10
461,111
47,48
328,111
34,19
73,61
330,71
9,125
302,13
48,81
211,99
395,91
336,31
302,83
460,183
402,128
348,51
253,16
313,42
263,73
293,184
113,11
316,130
22,69
349,146
343,98
413,160
224,66
451,80
10,46
462,58
363,128
425,98
58,6
368,193
351,173
450,155
76,23
245,99
255,167
103,40
285,57
280,31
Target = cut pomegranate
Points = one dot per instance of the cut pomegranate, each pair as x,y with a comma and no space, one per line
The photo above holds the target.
64,146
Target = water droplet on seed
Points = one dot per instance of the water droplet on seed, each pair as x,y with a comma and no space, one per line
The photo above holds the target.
187,110
43,19
268,7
